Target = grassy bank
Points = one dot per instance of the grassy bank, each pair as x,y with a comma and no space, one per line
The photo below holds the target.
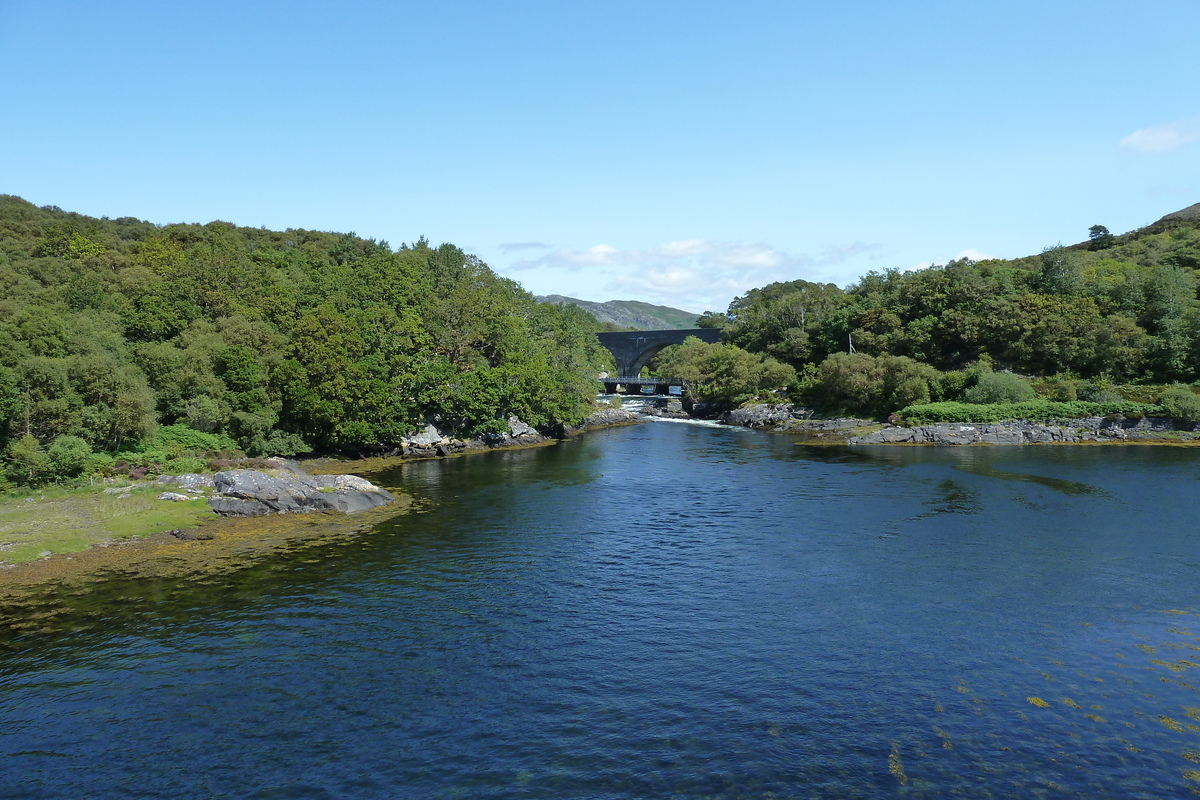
39,523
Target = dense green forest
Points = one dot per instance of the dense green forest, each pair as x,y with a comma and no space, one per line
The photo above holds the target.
1078,320
274,342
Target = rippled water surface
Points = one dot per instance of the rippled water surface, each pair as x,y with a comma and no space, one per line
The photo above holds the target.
661,611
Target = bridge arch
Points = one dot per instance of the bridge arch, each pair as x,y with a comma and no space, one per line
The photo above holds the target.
632,350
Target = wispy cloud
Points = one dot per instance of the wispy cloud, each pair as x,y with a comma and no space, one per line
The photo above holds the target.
694,273
1164,138
516,247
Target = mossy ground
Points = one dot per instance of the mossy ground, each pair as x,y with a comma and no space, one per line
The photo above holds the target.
65,520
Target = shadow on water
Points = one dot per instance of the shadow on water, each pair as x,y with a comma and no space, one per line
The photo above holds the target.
112,603
953,498
974,460
160,595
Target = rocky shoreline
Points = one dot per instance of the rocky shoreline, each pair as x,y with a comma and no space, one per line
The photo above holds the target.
1089,430
431,442
787,418
288,489
272,497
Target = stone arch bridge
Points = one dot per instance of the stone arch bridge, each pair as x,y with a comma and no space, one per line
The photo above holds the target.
632,350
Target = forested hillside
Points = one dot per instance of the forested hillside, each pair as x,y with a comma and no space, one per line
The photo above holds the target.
283,341
1111,310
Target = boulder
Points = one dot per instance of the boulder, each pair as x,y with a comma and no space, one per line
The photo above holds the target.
249,493
426,438
518,429
765,415
600,418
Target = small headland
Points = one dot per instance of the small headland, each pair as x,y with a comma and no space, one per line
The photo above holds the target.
218,522
1111,429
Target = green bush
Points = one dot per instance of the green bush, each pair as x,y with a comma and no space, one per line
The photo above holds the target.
857,383
1036,410
723,374
948,386
1064,388
1181,402
186,465
999,387
67,456
284,444
26,462
188,438
1094,393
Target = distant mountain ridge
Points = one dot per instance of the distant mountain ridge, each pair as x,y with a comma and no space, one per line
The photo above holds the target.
630,313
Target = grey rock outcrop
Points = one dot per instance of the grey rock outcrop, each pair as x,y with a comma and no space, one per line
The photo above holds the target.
773,416
600,418
192,481
789,418
249,493
518,433
1090,429
431,442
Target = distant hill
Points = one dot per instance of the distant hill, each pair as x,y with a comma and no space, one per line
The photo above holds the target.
630,313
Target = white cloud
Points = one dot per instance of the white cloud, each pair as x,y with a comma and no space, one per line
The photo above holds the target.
974,255
1164,138
692,273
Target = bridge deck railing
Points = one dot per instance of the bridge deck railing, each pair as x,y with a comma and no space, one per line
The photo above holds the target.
637,379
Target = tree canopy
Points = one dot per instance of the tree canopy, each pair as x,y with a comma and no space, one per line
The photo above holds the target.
284,341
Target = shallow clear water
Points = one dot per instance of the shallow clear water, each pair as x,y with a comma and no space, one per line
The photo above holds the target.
661,611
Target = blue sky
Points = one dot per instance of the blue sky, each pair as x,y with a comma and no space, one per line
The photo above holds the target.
674,152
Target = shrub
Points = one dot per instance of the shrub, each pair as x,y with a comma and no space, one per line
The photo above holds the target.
1181,403
68,456
26,462
186,465
280,443
1094,393
188,438
948,386
723,374
999,387
1062,388
858,383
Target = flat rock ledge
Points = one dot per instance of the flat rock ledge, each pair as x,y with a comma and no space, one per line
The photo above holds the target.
1067,431
789,418
250,493
601,418
433,443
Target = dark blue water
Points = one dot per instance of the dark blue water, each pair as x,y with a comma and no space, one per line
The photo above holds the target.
660,611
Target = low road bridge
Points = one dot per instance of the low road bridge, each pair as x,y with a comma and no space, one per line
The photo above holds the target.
632,384
633,349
